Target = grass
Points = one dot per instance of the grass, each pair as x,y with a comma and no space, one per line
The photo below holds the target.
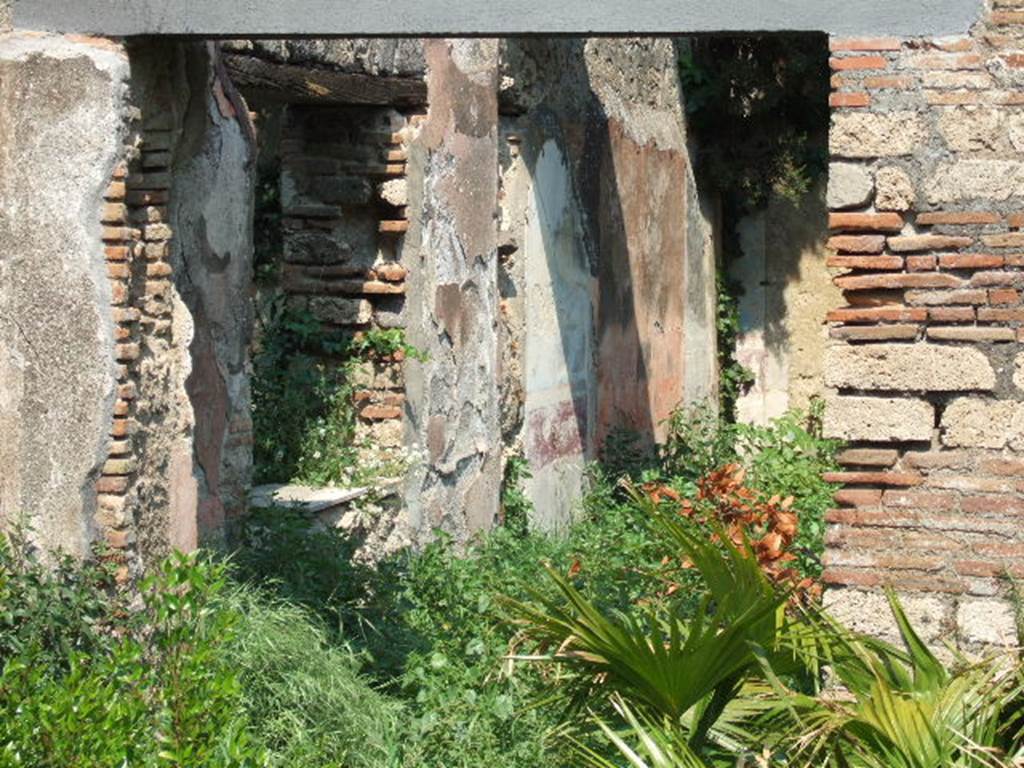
316,660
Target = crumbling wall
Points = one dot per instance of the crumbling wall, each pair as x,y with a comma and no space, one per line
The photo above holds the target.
926,196
452,305
62,106
648,230
607,255
124,394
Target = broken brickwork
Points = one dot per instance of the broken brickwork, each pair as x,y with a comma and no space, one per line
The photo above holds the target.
926,193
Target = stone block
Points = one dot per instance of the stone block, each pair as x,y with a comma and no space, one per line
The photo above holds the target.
863,135
869,612
988,622
880,419
314,248
975,422
340,310
894,191
395,192
342,190
909,367
989,180
849,186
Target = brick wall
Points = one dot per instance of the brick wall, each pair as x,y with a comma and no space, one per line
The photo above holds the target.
927,205
344,202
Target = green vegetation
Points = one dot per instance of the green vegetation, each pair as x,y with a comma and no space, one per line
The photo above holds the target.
312,658
304,418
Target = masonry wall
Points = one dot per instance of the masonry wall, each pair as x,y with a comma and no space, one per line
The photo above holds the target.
606,257
927,184
125,387
62,109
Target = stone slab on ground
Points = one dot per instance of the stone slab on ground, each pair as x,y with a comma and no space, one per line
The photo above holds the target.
304,497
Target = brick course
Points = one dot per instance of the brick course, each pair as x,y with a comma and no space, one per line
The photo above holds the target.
933,494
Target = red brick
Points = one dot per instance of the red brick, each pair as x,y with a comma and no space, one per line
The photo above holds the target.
113,213
997,279
875,332
916,280
1004,240
939,459
887,82
108,484
865,262
954,98
874,299
958,217
380,412
971,333
126,352
904,479
1004,296
951,314
994,315
126,391
1007,18
970,261
912,243
972,484
953,45
877,315
945,61
857,243
992,505
118,293
851,577
116,252
878,222
923,500
943,298
115,191
837,82
1013,467
126,315
1015,220
864,44
158,269
852,100
118,271
848,63
868,457
391,272
921,263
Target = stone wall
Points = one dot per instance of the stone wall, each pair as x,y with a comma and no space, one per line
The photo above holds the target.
125,391
62,112
344,202
926,191
787,290
607,260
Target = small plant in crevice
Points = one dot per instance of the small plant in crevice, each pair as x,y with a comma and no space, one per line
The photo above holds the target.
516,506
385,343
734,378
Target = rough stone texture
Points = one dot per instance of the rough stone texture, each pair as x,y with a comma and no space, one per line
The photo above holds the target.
974,129
61,111
894,190
869,612
6,17
1018,371
881,419
401,57
974,422
910,367
863,134
211,214
453,296
849,186
992,180
340,310
987,623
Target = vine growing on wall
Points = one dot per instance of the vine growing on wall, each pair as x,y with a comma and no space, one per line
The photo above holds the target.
758,107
